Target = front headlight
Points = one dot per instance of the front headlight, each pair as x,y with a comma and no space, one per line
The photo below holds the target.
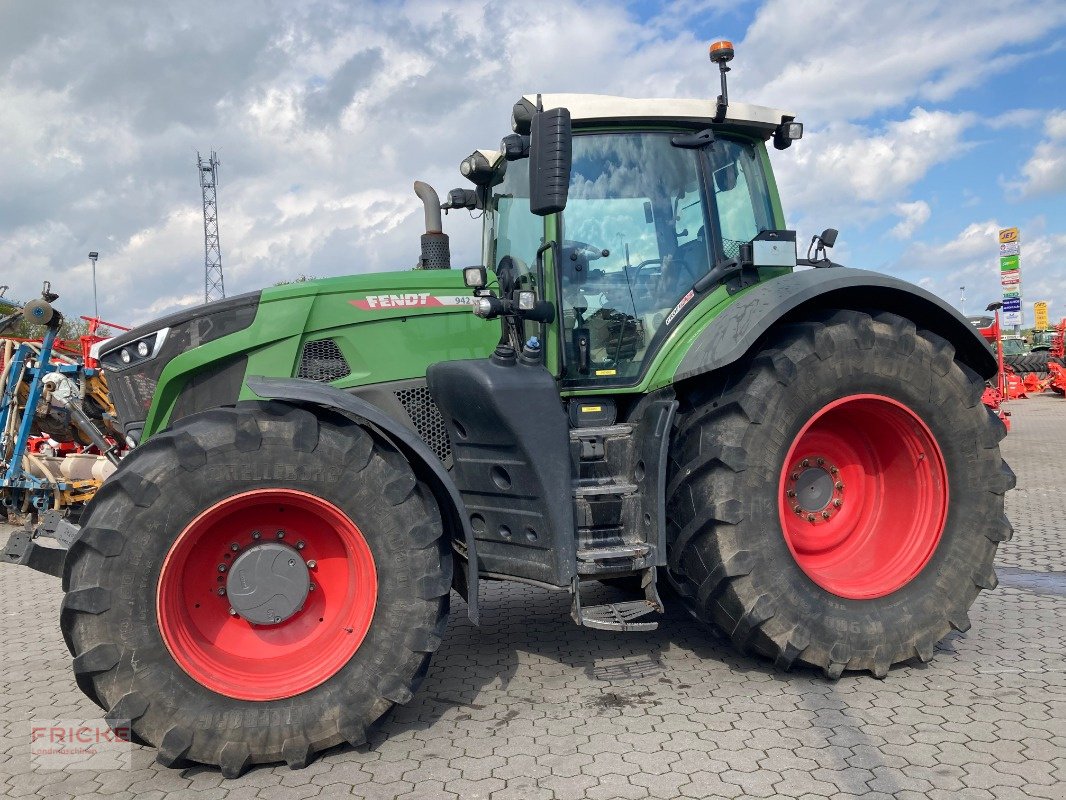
174,334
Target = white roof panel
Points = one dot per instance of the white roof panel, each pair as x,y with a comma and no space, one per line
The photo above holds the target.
601,107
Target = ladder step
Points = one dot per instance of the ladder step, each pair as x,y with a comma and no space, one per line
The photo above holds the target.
619,616
603,430
593,489
621,551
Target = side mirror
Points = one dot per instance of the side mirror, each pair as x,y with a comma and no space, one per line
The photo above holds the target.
550,157
725,178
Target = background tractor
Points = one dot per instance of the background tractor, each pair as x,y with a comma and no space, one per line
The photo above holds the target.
797,450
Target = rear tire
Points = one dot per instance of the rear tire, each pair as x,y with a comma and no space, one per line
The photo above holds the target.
1035,362
150,647
733,549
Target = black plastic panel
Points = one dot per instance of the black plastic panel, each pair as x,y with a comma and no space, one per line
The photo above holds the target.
214,386
510,456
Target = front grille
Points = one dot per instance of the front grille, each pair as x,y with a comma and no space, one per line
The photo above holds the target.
131,392
322,360
428,422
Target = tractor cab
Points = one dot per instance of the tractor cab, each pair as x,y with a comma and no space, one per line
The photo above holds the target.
656,199
608,222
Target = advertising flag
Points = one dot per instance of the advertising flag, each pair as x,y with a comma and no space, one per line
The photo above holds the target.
1010,275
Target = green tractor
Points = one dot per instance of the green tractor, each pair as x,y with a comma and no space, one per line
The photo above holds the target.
652,389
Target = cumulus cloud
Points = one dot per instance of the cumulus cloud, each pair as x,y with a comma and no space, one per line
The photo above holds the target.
912,216
847,61
971,259
1045,171
323,114
850,174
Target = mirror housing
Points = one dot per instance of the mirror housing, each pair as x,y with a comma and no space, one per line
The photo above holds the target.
550,158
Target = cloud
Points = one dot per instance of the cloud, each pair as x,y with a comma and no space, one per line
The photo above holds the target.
971,259
1045,171
323,114
848,61
912,216
851,174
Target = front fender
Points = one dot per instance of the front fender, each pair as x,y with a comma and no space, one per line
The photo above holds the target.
305,392
733,332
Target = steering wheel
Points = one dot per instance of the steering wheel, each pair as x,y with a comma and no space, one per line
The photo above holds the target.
643,264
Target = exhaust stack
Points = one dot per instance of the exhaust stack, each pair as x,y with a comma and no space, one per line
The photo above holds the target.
436,253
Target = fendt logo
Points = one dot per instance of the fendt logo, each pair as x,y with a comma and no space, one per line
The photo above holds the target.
410,300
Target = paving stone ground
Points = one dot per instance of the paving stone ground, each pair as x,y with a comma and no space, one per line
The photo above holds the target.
530,706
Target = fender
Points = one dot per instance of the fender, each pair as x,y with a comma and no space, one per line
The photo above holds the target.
736,330
305,392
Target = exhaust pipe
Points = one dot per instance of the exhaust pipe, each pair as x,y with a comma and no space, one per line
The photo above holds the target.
436,253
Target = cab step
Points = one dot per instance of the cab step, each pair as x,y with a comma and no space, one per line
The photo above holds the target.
620,551
619,616
604,487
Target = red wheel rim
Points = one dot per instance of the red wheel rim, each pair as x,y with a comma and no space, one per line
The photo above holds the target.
863,496
234,657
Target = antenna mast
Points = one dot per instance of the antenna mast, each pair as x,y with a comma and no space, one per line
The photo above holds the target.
214,289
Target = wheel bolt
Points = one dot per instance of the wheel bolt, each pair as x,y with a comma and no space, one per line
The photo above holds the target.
234,547
292,562
839,485
233,612
221,567
312,564
805,462
791,493
311,587
838,502
795,476
833,470
825,515
256,534
221,591
280,534
300,545
277,620
810,518
820,461
797,509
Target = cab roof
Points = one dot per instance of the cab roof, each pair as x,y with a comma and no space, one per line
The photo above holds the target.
590,109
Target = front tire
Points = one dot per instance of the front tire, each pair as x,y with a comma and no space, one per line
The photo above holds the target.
877,435
315,529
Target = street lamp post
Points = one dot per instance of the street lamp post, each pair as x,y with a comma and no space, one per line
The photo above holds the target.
96,306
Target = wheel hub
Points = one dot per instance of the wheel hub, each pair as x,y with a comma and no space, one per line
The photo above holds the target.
814,489
268,583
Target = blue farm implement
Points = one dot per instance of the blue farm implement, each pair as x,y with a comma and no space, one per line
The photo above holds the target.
56,438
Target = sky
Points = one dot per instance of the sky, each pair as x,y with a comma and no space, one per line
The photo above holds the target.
928,126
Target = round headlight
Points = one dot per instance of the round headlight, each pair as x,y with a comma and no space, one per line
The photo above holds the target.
125,356
142,348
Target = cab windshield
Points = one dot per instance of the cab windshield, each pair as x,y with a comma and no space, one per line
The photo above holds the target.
1013,347
635,239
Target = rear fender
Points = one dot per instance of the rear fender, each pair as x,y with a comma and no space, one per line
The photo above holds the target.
735,331
422,459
